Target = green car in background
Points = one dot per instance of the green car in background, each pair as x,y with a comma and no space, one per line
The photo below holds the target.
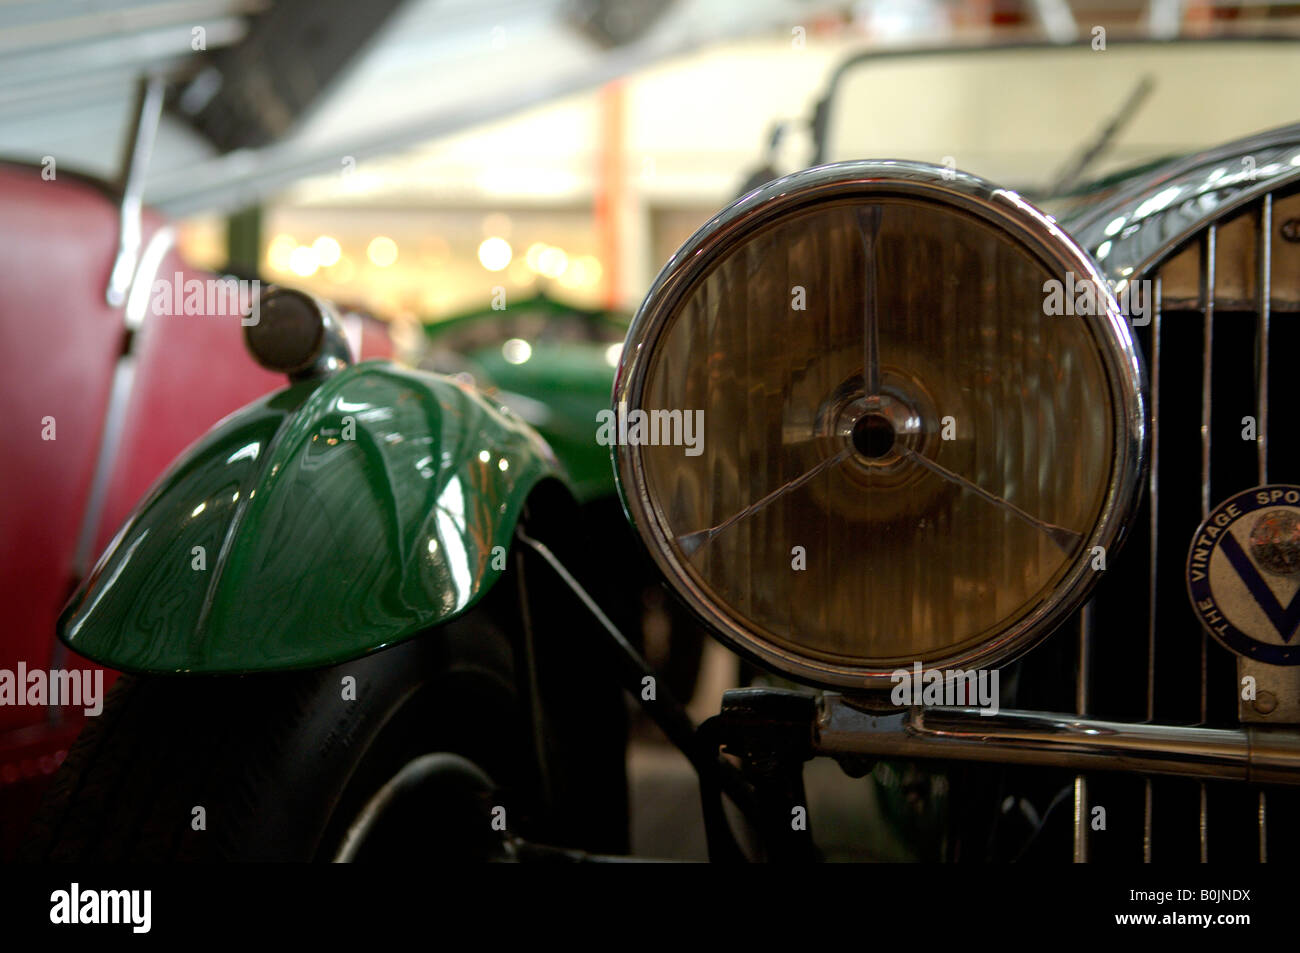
549,362
552,364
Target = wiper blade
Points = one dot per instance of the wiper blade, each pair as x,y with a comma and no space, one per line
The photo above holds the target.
1074,169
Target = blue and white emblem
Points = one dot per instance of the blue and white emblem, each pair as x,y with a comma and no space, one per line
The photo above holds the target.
1243,574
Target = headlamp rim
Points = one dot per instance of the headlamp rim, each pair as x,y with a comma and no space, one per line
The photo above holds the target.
1000,208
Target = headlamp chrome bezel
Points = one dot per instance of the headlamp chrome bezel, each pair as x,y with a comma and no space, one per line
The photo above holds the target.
1000,208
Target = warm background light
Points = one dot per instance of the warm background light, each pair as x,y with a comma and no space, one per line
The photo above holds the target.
327,250
382,251
302,261
495,253
278,252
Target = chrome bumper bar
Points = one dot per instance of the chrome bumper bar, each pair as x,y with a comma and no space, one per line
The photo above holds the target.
1255,754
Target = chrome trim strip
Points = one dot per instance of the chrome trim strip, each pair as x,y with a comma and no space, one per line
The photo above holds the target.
119,396
1263,827
1161,210
1157,307
1081,706
1001,208
1264,249
1153,490
1207,371
149,104
1080,819
1205,826
137,300
1081,700
1253,755
1147,813
1209,250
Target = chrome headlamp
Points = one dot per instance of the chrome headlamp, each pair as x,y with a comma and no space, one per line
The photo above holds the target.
855,436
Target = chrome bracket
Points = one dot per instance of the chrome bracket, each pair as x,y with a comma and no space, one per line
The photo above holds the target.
140,143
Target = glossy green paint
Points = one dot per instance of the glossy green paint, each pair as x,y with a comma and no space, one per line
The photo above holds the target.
564,382
571,383
320,542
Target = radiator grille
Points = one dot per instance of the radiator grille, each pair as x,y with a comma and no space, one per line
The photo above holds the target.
1221,345
1224,326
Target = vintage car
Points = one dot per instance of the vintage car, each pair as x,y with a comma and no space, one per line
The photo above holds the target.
993,474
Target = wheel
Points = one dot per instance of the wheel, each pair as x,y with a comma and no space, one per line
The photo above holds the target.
415,749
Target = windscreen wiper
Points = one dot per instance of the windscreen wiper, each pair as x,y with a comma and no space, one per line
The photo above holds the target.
1073,170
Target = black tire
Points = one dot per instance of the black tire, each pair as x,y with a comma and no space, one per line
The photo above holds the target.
282,764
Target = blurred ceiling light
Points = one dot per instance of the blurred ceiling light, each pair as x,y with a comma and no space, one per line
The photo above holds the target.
327,250
382,251
495,253
552,262
278,252
302,261
534,255
516,350
613,353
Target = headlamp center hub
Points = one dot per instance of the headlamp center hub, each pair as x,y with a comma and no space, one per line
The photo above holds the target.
873,435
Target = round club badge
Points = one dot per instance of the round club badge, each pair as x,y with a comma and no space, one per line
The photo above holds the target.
1243,573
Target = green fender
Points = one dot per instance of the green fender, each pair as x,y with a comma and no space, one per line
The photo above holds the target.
334,517
571,382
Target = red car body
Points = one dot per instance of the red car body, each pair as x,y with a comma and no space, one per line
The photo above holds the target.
61,343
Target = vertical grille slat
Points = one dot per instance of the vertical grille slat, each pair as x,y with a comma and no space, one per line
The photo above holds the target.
1207,371
1153,501
1207,390
1264,243
1263,827
1081,707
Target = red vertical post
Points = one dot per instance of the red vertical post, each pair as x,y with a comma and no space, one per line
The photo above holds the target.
610,190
